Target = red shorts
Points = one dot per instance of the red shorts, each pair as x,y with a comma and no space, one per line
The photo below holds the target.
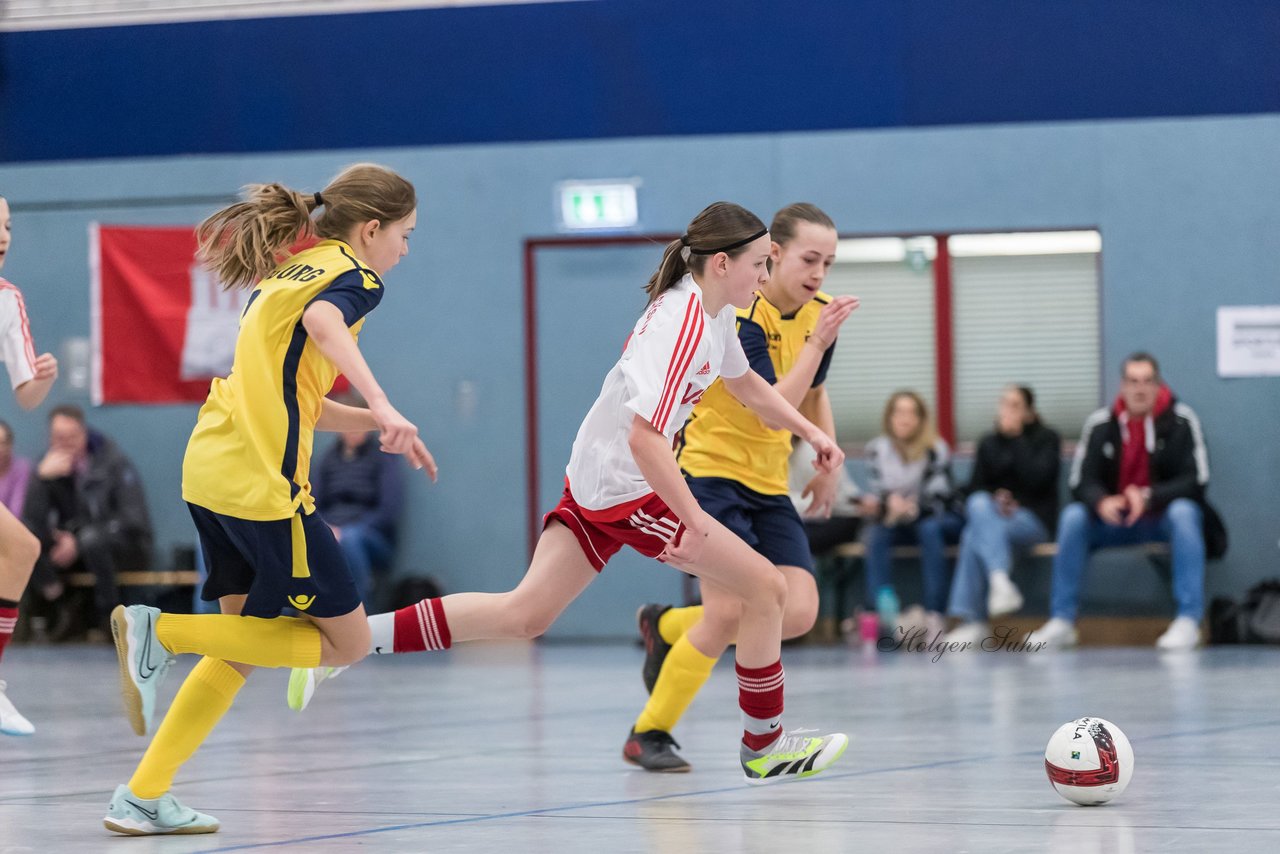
649,527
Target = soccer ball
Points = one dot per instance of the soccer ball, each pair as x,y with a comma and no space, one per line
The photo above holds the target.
1089,761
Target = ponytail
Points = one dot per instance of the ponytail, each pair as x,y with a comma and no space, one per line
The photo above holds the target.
720,227
244,242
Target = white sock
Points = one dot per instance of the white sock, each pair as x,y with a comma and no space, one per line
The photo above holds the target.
382,633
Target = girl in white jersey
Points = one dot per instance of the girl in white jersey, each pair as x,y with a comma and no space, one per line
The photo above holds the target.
623,487
31,377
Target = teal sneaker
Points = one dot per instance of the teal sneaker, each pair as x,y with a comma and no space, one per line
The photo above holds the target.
793,757
136,816
144,662
303,682
11,720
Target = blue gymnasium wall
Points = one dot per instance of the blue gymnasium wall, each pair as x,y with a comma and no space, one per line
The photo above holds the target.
840,102
1189,211
620,68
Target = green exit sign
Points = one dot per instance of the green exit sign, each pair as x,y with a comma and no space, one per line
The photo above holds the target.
597,205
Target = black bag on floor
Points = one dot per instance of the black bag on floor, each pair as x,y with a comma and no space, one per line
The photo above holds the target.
1255,620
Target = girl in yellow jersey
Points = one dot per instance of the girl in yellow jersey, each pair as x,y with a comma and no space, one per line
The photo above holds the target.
736,468
245,474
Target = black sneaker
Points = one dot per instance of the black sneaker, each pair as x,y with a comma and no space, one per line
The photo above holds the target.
654,751
655,648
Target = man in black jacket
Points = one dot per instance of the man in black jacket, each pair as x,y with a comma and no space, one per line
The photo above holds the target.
87,508
1139,476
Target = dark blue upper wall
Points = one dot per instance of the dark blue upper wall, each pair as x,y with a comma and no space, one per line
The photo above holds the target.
610,68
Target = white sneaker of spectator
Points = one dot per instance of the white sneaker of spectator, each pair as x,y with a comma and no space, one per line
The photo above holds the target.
934,625
1003,597
1183,633
972,633
1055,634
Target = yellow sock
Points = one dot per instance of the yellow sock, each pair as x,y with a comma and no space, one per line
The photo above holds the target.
278,642
683,674
201,702
676,621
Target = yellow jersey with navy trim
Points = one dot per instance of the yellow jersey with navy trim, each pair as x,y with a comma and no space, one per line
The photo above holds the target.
723,438
250,453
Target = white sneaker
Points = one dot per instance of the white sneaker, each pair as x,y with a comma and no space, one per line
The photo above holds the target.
11,720
1003,596
971,633
1183,633
303,682
1055,634
934,625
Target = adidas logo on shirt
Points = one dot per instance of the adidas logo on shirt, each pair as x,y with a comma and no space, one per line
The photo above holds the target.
704,370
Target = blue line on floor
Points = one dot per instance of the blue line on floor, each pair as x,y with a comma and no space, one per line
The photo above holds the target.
697,793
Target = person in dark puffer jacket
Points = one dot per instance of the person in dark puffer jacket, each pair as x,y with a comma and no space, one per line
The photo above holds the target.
1012,503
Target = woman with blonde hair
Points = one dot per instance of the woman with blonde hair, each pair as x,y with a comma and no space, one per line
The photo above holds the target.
909,502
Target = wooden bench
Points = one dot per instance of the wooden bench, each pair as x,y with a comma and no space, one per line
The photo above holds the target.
856,548
134,578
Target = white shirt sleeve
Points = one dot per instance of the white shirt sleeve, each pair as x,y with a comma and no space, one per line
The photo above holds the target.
735,362
16,348
660,357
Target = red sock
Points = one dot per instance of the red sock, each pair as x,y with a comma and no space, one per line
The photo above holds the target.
8,619
422,627
760,697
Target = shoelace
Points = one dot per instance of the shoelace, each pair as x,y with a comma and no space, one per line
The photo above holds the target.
792,741
659,735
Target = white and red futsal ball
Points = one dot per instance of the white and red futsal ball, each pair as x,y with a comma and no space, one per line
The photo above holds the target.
1089,761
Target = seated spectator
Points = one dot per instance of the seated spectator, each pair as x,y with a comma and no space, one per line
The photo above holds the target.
1139,476
15,473
825,532
359,491
908,502
1013,503
842,525
87,508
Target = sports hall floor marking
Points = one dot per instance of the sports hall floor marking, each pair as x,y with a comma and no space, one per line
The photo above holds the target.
725,789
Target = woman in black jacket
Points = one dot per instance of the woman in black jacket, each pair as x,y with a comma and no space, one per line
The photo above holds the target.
1013,501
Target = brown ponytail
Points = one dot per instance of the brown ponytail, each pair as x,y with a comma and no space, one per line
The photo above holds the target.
244,242
719,224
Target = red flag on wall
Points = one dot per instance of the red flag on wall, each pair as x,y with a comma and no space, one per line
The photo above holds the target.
162,325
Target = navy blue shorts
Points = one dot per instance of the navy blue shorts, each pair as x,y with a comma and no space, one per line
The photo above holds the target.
284,563
767,523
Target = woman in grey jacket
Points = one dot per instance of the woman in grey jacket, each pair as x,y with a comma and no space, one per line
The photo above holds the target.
909,502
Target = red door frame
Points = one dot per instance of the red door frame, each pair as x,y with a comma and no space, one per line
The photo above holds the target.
944,339
531,247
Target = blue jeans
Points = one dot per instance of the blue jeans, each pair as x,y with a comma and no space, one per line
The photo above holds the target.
1080,532
365,549
931,534
987,546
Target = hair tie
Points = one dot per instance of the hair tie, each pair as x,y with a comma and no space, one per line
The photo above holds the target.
761,233
319,199
684,239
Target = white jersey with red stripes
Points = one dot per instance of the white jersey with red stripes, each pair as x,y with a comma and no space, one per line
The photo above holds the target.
16,347
675,353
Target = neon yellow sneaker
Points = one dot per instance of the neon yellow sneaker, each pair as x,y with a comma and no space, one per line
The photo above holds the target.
303,682
793,757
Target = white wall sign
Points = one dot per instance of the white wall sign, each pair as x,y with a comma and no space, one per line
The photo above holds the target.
596,205
1249,341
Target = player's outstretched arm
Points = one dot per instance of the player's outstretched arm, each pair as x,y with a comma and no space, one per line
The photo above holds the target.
754,392
327,327
33,392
